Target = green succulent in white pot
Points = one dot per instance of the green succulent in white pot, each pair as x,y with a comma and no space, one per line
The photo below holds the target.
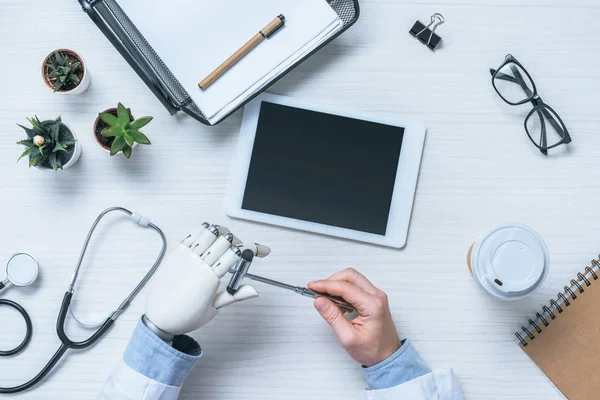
50,145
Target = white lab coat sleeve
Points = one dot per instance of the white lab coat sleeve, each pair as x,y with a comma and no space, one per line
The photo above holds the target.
127,384
151,369
405,375
438,385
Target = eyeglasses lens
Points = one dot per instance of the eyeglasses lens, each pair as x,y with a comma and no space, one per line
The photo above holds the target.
544,127
513,83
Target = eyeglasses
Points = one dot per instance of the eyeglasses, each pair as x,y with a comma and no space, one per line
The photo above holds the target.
515,86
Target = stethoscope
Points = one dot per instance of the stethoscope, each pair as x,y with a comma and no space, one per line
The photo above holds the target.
22,270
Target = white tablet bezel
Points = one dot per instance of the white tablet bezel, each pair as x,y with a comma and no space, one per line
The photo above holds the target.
404,186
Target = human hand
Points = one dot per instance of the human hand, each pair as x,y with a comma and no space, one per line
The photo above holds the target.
369,338
184,295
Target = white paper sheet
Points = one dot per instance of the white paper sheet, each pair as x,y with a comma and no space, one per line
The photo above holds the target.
195,37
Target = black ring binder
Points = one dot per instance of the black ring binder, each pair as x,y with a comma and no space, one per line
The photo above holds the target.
582,278
549,312
537,328
523,342
564,299
528,333
131,44
541,318
568,289
556,305
575,283
589,270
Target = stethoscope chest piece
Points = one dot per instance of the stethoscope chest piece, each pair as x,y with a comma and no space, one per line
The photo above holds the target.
22,269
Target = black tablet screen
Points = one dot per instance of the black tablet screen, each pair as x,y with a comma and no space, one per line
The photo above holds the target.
323,168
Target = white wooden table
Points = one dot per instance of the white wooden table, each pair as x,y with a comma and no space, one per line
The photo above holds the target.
478,169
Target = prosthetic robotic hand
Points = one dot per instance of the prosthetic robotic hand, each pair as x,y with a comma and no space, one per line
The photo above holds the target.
184,294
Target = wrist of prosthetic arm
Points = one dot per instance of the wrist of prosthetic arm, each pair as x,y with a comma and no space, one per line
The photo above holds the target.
184,294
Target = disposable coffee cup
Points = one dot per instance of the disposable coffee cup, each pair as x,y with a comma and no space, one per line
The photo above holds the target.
509,261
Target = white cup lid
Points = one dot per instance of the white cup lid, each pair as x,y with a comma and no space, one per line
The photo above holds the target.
510,261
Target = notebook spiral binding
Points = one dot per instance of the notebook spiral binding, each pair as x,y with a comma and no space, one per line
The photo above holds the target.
563,300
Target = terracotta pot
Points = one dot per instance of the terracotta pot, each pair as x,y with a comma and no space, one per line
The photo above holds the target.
97,121
84,82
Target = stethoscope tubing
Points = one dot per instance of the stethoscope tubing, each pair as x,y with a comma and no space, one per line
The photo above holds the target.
28,329
66,342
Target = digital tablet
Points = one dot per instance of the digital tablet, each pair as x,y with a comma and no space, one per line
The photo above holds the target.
320,169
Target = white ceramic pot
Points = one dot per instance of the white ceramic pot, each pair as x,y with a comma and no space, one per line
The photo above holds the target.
76,154
83,84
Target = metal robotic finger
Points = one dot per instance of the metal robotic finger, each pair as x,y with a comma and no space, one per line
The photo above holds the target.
202,240
245,292
227,261
217,249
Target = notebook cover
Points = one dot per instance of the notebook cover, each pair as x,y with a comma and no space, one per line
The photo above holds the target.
567,350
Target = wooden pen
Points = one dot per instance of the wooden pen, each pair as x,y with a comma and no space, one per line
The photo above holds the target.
265,33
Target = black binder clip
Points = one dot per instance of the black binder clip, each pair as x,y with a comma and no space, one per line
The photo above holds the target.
426,34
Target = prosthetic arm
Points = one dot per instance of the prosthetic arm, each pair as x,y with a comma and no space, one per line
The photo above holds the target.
184,294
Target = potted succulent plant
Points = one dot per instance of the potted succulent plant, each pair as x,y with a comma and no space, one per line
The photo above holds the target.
65,72
50,144
115,130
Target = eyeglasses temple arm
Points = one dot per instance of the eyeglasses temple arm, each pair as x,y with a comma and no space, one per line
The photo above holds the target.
520,80
554,123
502,76
544,138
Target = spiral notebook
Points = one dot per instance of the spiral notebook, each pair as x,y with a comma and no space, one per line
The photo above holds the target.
563,338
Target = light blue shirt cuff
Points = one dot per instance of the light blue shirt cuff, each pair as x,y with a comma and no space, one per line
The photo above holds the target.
402,366
155,359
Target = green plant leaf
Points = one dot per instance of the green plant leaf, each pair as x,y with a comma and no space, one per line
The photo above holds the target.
54,130
52,161
25,153
127,151
123,115
74,78
30,132
139,137
117,145
58,147
109,119
140,123
112,131
75,66
35,160
58,85
26,142
129,139
35,122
